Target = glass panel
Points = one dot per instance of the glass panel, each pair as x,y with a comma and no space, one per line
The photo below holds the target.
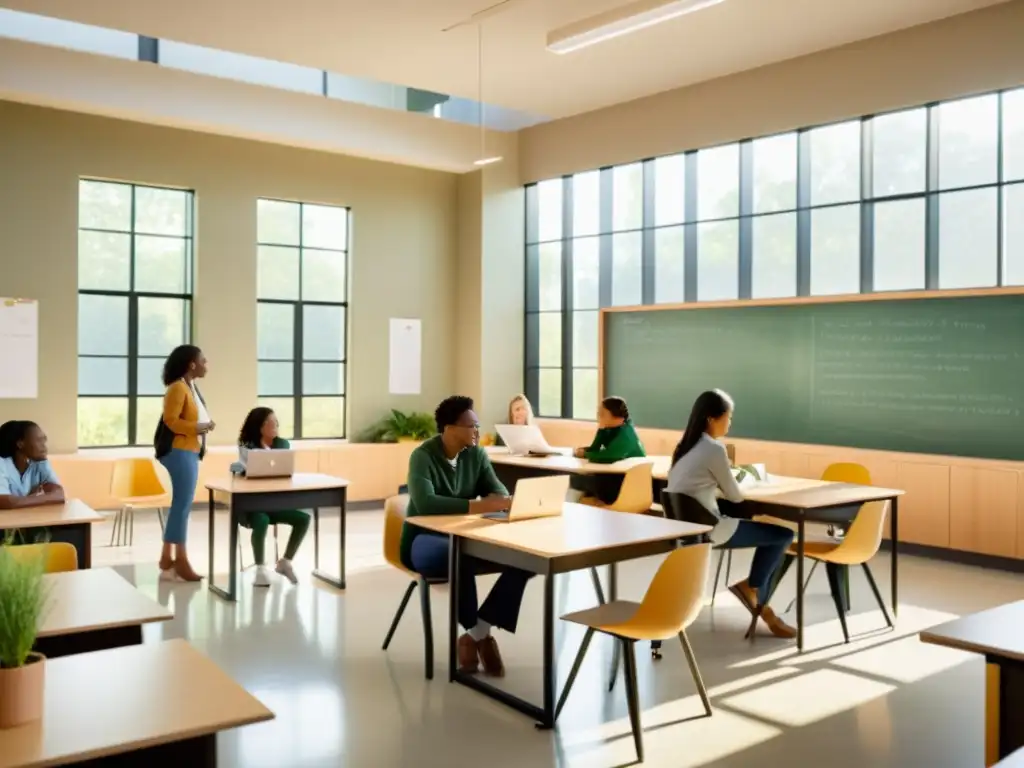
669,264
718,269
584,339
900,145
148,412
899,245
284,409
549,210
277,275
275,331
104,261
102,325
774,257
549,269
627,197
1013,135
968,141
103,376
550,343
161,325
586,260
162,211
275,378
323,276
68,34
277,222
584,394
550,392
325,226
586,203
968,232
102,421
718,182
323,333
775,173
323,417
835,163
161,265
240,66
102,205
149,373
323,378
627,272
835,250
669,190
1013,235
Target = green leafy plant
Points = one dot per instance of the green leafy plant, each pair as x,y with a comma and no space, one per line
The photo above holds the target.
400,426
22,601
747,469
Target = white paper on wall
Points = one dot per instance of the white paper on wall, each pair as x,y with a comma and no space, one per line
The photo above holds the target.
404,356
19,348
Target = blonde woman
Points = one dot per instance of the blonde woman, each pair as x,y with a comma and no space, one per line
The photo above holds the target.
520,413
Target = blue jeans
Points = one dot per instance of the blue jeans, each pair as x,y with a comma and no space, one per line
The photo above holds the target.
183,467
429,558
770,542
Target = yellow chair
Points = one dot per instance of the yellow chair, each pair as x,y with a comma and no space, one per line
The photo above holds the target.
60,556
135,484
673,601
394,520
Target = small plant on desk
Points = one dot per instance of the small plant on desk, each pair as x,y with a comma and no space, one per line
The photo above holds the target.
22,600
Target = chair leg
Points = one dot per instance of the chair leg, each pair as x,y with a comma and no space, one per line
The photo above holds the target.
277,551
616,658
695,672
574,671
131,526
806,584
877,594
398,615
428,630
160,517
728,565
596,578
835,587
117,523
633,698
718,574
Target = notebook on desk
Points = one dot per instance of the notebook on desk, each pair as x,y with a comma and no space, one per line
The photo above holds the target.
525,440
535,497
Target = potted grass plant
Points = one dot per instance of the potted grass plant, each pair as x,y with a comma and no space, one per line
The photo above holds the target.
398,427
22,600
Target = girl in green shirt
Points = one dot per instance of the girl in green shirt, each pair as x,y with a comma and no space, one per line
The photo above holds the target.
616,439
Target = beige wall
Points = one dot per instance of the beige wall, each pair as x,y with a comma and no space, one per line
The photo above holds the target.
403,262
966,54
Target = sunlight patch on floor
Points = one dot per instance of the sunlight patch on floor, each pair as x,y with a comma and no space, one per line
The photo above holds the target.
904,661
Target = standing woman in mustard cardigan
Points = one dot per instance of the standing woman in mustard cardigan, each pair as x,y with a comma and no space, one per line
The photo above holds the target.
186,418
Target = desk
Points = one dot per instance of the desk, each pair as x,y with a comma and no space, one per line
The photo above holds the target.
582,537
801,501
998,635
154,704
300,491
1016,760
93,610
516,467
74,518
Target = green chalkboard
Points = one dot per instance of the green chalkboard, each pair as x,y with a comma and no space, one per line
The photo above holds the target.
929,375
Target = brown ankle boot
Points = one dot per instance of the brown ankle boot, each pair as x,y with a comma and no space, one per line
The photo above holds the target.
490,657
468,655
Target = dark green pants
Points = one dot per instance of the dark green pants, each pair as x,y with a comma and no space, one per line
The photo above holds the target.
261,521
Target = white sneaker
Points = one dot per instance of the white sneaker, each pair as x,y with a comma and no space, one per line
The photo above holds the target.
262,578
284,567
171,575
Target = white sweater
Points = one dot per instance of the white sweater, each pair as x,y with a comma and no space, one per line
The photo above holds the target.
702,473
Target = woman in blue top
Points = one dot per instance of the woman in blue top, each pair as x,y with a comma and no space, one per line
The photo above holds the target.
26,478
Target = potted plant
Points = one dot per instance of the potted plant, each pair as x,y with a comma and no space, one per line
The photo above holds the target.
400,427
22,600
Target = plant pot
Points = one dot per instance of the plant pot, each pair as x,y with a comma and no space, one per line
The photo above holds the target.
21,692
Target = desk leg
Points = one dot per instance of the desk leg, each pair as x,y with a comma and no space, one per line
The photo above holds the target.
800,584
335,581
548,720
454,565
894,538
231,592
1004,708
85,558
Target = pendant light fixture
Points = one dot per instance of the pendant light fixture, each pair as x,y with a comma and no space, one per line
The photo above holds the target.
484,158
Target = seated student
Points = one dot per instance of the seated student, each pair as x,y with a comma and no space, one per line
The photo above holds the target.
259,432
520,413
616,439
449,474
700,469
26,478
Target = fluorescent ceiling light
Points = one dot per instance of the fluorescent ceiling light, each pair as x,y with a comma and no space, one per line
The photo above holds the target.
621,21
488,160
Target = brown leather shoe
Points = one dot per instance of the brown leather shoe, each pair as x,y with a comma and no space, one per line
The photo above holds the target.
468,655
490,656
184,569
777,626
747,596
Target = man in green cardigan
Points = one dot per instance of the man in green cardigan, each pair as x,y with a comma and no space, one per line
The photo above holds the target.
450,474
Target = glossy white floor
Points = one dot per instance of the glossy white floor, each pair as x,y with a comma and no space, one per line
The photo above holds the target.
313,656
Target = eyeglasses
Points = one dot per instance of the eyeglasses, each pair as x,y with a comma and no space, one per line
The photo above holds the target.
474,425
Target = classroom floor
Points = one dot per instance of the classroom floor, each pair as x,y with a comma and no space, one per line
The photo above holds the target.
313,656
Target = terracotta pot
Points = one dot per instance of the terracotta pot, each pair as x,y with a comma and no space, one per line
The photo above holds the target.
21,692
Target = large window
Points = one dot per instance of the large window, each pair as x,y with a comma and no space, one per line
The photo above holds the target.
926,198
302,308
134,305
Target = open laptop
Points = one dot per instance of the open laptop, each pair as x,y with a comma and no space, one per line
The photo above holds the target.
273,463
525,440
535,497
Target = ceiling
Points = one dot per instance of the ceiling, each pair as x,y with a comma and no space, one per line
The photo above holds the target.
400,41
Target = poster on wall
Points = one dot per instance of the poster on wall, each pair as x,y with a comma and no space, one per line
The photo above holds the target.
404,356
19,348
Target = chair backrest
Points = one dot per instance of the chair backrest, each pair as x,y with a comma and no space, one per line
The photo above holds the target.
60,556
394,520
135,478
847,472
676,593
864,536
637,492
687,509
